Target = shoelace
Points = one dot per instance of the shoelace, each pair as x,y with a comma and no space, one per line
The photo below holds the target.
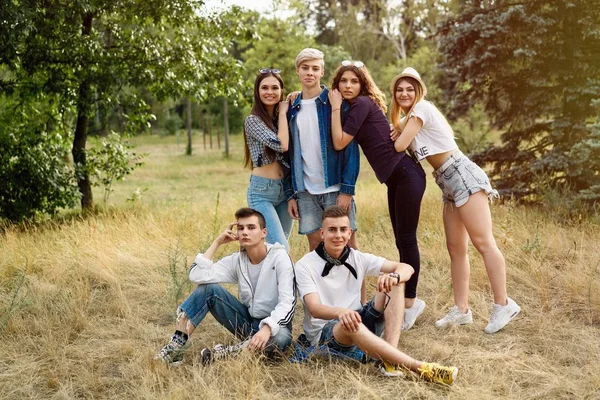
454,311
495,312
433,372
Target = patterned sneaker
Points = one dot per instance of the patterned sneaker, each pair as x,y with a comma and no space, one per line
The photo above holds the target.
389,369
411,314
172,353
502,315
436,373
455,317
221,351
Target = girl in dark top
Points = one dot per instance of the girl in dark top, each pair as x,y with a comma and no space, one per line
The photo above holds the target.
266,139
365,121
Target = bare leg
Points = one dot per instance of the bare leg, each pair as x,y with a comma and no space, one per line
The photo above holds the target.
393,314
374,346
183,324
457,241
477,220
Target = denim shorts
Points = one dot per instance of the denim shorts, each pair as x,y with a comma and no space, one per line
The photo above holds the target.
371,318
459,178
311,207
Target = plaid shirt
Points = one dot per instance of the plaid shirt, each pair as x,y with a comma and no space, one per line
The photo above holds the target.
260,137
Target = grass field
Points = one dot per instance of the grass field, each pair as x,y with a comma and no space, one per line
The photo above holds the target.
86,303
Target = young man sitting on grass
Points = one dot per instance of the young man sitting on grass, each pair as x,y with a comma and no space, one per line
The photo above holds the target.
329,280
262,317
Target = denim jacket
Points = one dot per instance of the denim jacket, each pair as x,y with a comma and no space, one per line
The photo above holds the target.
340,167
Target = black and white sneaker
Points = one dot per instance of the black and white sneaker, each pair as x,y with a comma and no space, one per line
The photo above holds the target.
172,353
221,351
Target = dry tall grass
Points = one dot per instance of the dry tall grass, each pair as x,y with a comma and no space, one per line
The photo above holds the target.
85,303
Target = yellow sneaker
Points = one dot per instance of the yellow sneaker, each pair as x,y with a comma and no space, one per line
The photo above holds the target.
389,369
438,373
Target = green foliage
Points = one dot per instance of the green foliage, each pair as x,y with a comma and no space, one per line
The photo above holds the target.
276,44
472,131
34,174
111,160
173,123
89,55
534,66
179,284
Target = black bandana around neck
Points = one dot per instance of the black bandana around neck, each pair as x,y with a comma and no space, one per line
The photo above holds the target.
330,262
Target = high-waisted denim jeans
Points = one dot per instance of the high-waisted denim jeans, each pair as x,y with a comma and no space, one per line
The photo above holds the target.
230,313
267,197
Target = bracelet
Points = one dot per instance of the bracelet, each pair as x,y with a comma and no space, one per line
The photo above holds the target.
335,109
395,275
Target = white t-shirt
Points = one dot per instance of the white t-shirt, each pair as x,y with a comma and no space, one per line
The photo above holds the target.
436,135
310,147
254,272
338,289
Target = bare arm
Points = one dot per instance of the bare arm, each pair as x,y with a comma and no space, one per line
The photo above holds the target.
413,126
339,137
283,132
349,319
385,281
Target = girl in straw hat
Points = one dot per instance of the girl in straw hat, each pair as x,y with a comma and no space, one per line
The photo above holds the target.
364,120
422,129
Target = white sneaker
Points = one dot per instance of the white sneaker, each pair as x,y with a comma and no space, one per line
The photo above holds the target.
502,315
455,317
411,314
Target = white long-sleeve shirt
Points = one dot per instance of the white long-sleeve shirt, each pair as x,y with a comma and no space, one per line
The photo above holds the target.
273,300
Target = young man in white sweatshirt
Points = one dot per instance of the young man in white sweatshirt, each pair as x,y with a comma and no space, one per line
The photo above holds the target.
262,316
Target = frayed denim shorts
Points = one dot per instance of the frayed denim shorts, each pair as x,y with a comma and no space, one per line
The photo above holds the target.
460,177
311,207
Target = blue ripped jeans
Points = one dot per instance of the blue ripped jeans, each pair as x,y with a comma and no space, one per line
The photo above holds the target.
230,313
267,197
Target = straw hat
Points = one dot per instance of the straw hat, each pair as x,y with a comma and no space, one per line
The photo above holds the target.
411,73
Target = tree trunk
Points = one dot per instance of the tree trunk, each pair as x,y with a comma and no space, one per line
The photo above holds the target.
208,125
188,126
204,129
81,131
226,125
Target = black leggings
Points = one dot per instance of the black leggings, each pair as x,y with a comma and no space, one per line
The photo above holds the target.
406,186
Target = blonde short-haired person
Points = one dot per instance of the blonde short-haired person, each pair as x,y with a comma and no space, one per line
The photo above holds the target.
321,176
420,127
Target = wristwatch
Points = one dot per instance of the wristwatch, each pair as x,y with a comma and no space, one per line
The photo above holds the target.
395,275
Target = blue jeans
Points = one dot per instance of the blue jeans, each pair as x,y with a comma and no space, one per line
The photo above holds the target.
372,319
267,197
406,187
230,313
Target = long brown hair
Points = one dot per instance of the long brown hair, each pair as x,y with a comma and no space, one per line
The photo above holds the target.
260,110
367,85
397,112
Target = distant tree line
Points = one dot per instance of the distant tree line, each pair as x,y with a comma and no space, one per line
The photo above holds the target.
520,82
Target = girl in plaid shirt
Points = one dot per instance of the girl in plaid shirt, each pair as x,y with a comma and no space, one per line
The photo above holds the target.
266,140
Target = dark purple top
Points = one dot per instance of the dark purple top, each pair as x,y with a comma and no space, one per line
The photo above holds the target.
371,129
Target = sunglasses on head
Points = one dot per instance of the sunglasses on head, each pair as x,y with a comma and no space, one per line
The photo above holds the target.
357,64
267,70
